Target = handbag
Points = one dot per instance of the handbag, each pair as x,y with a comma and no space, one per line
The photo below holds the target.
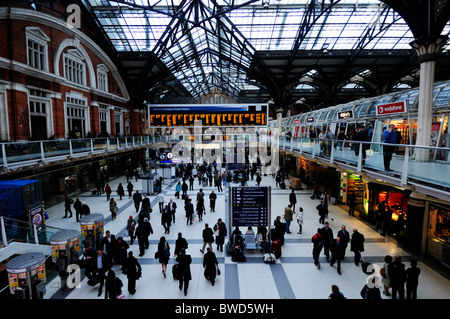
383,272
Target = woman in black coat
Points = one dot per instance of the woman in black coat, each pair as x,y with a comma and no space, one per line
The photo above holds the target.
113,286
357,245
210,264
163,254
184,262
133,270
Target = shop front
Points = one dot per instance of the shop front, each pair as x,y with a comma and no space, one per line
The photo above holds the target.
438,235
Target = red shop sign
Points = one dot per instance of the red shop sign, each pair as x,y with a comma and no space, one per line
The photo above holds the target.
391,108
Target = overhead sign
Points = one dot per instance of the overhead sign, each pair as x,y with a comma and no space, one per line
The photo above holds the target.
297,121
345,115
391,108
310,119
211,115
250,206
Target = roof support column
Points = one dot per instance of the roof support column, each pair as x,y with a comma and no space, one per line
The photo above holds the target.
427,50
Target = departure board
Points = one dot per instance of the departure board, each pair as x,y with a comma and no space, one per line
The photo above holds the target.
250,206
217,115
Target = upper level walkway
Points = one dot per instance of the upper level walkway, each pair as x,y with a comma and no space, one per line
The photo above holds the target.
428,175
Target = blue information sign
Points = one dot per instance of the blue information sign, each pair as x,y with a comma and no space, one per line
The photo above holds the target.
250,206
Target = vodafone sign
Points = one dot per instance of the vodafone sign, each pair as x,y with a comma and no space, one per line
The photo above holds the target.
391,108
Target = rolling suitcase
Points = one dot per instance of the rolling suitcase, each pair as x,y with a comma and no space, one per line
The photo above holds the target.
276,248
176,271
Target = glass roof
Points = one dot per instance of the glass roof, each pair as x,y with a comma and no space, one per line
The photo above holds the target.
211,43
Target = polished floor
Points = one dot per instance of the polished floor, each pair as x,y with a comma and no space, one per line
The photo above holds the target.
293,276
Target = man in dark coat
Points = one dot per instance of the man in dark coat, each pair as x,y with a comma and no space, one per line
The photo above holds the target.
397,275
351,204
344,235
172,209
317,241
292,200
208,237
143,230
327,234
184,262
210,264
322,211
212,201
189,207
357,245
133,270
137,199
77,206
337,253
110,244
67,204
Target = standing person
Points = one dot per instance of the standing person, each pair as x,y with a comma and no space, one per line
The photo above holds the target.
90,255
130,187
163,254
110,243
200,210
258,178
133,270
389,137
357,245
412,280
361,135
351,204
299,216
397,275
172,209
113,208
327,233
120,191
120,254
293,200
317,241
386,278
191,182
146,204
208,237
201,198
142,232
189,208
288,217
322,211
212,201
137,199
161,201
184,262
178,190
180,243
210,264
113,286
67,203
345,239
337,252
108,192
219,183
220,230
131,226
314,193
77,207
184,189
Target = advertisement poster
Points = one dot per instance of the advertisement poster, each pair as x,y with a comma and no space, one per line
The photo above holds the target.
37,217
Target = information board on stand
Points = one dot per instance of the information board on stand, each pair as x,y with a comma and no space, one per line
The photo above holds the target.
250,206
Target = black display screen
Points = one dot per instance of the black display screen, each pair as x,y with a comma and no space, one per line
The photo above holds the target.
250,206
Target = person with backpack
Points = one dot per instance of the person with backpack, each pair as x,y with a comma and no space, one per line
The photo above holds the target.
317,241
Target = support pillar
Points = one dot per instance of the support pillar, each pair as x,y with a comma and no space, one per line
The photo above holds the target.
427,50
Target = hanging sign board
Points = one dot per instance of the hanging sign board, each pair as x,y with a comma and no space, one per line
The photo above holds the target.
391,108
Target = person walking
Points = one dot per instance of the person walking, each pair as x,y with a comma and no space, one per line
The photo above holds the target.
299,217
108,192
143,231
336,294
189,208
386,278
113,208
357,245
345,239
120,254
337,251
293,200
103,264
180,243
77,206
389,137
258,179
161,200
200,210
113,286
172,209
120,191
288,217
210,264
166,219
212,201
67,206
412,280
328,237
137,199
184,189
133,270
322,211
178,190
109,242
131,227
220,230
208,238
397,275
130,188
184,262
163,254
351,204
317,241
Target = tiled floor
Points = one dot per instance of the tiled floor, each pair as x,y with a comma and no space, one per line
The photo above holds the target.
293,276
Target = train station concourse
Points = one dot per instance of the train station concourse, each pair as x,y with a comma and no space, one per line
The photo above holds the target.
218,158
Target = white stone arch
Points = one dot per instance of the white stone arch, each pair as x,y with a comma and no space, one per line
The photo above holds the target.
76,44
